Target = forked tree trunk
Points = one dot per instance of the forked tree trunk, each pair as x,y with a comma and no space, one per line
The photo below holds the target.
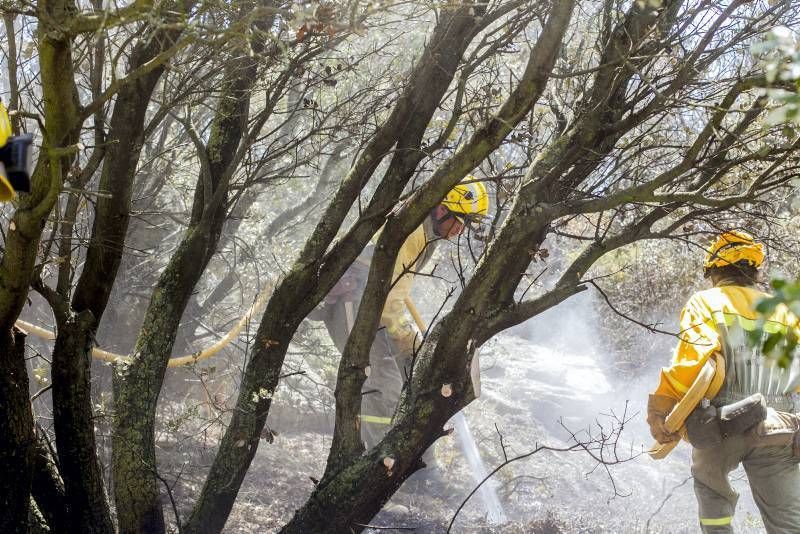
137,386
300,291
80,468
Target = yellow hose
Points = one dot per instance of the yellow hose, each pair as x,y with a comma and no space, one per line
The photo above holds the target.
415,314
706,385
189,359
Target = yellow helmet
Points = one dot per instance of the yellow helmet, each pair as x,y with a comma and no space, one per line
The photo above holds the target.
6,190
733,247
470,198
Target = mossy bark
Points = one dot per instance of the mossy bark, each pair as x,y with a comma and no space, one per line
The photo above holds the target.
303,288
136,389
74,426
85,494
138,384
19,258
17,441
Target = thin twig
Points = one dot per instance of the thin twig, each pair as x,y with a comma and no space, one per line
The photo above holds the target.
171,497
650,327
536,450
41,392
664,502
597,447
384,528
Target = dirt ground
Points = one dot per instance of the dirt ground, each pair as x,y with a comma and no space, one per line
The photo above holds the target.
532,395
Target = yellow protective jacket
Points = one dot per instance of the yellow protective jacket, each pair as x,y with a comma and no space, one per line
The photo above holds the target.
699,337
413,255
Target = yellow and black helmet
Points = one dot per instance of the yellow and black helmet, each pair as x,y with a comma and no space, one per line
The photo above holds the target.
734,247
468,198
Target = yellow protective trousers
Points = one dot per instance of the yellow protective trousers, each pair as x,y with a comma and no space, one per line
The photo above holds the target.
773,472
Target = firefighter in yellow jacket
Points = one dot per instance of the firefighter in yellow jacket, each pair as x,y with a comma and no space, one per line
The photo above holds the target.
718,320
392,350
15,161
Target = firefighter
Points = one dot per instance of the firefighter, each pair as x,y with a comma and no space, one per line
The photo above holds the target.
15,161
392,349
756,390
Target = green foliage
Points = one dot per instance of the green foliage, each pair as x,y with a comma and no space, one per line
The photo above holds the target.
784,292
778,345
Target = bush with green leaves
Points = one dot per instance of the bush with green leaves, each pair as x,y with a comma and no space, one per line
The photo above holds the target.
782,344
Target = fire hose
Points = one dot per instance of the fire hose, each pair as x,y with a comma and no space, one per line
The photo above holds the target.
706,385
189,359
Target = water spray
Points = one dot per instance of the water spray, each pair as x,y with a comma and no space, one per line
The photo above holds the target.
487,490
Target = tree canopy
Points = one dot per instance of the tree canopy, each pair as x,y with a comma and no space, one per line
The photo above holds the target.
193,155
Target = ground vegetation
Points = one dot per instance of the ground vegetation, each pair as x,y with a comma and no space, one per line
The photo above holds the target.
196,157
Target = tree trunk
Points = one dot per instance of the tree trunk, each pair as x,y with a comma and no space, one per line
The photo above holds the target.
17,440
48,490
85,494
136,389
74,426
357,484
19,257
137,385
348,499
300,291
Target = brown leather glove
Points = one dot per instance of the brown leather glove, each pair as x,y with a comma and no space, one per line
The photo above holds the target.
658,407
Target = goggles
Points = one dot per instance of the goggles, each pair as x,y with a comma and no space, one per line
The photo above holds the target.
466,221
